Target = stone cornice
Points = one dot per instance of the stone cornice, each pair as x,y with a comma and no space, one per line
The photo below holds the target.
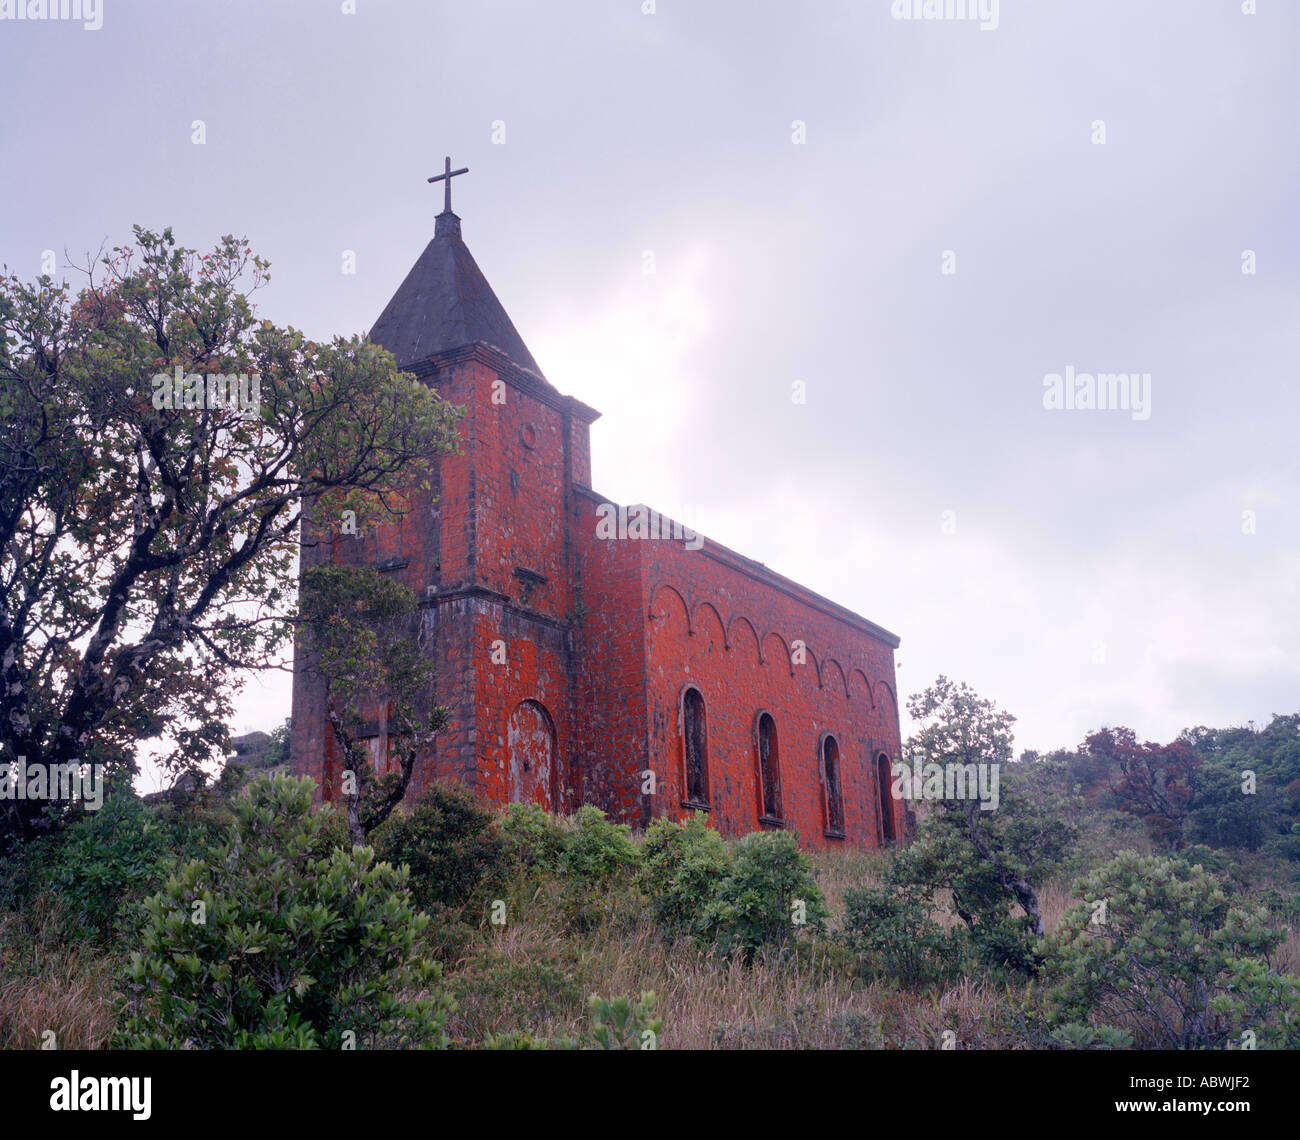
521,379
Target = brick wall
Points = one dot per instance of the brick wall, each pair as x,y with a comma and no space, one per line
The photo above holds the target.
522,602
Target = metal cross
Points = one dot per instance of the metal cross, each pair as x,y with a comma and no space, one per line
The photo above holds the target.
448,174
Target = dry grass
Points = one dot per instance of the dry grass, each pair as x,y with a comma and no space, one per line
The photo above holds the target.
51,986
536,974
1287,959
841,868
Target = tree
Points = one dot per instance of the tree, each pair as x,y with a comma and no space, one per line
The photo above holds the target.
986,858
1246,790
1156,947
1153,782
278,751
362,638
149,503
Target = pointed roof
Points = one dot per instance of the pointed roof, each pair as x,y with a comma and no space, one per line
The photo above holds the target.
445,303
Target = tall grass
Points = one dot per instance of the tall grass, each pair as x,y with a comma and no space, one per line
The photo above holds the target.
54,992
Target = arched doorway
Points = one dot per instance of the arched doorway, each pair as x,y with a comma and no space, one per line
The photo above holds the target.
530,746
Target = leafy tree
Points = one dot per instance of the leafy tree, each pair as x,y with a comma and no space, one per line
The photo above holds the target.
1153,781
987,859
138,537
1246,790
1157,948
277,753
361,636
283,939
1222,815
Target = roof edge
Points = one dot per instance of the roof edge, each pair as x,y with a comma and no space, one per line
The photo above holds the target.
762,573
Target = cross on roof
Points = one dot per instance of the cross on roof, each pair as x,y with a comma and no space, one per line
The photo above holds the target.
448,174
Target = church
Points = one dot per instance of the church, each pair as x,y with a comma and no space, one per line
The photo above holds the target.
591,652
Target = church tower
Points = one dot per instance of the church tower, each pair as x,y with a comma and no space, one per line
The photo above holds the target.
488,552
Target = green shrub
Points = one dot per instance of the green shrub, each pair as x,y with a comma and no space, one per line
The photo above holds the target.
625,1023
891,933
1170,959
292,946
596,849
104,863
592,866
1075,1036
451,844
682,866
1216,862
1007,944
534,838
768,895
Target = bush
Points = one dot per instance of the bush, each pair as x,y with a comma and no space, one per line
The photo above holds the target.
273,941
1008,944
534,839
102,864
682,866
890,933
596,849
451,844
1170,959
625,1023
755,905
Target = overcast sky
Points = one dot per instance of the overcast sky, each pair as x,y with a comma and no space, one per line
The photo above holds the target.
1080,567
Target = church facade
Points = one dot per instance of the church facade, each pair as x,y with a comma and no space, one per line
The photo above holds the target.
591,652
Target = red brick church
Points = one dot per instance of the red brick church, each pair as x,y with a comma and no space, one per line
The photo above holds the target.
594,653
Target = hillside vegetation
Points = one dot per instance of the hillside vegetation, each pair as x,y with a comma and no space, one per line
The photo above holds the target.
239,916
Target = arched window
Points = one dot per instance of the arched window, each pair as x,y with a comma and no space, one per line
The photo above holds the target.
831,786
885,783
769,770
695,739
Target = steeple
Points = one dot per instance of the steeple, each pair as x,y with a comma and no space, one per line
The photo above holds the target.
445,301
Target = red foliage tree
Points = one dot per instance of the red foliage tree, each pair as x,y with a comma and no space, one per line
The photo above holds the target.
1152,781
